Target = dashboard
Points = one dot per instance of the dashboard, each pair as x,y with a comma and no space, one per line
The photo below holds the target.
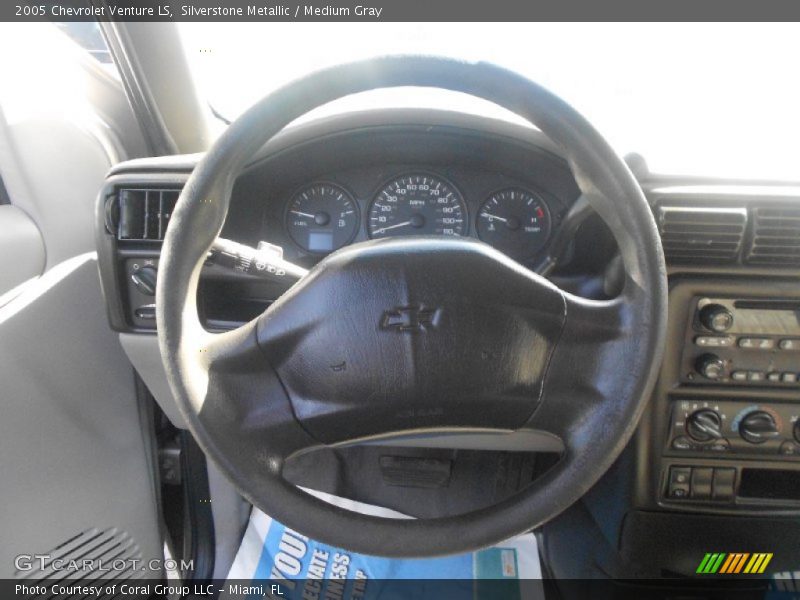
321,186
721,436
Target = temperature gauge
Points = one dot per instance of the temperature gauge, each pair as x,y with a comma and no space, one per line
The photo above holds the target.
515,221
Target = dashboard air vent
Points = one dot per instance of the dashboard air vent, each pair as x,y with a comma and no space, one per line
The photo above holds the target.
776,236
143,214
702,234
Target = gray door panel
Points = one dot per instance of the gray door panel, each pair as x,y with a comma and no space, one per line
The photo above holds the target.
76,461
75,456
22,254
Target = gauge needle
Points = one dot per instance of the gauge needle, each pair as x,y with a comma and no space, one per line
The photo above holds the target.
385,229
493,217
302,214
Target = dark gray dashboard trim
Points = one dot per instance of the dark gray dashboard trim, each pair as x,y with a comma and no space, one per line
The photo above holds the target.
340,123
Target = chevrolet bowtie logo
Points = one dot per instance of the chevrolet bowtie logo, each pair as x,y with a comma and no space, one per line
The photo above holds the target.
411,319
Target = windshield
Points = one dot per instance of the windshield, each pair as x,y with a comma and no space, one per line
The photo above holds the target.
695,99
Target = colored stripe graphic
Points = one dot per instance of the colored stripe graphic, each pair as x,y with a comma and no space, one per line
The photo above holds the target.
753,563
727,564
703,563
734,563
711,562
740,564
715,565
761,566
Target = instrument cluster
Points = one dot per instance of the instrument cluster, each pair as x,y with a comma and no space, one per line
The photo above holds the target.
322,216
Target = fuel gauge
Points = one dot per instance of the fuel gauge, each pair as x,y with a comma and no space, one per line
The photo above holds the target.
322,218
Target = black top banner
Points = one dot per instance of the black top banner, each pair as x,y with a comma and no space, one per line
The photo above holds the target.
400,10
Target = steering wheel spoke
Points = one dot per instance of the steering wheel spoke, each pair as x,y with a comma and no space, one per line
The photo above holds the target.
245,403
593,368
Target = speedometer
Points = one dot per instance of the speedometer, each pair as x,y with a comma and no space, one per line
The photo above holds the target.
417,204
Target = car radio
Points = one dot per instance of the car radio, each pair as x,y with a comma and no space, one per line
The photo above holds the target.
742,342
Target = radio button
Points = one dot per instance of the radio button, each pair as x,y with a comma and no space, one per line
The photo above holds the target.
713,341
757,343
789,345
789,378
774,377
755,376
739,375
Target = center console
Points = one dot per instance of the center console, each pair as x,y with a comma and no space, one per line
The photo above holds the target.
730,395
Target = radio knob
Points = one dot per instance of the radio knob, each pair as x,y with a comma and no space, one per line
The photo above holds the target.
704,425
758,427
716,318
710,366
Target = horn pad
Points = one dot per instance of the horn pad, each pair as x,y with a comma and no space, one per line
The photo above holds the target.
404,334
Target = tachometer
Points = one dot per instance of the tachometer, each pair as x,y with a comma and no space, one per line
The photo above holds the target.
515,221
321,218
417,204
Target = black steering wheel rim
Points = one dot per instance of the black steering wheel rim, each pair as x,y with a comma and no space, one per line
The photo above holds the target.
594,382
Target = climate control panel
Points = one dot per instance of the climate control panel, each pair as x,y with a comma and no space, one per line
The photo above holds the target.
758,429
742,342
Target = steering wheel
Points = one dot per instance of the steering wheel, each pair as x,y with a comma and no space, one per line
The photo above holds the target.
416,340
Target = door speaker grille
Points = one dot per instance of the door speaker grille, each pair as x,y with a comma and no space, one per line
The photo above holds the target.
91,555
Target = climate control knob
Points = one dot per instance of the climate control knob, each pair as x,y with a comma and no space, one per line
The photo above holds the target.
758,427
145,280
704,425
710,366
716,318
